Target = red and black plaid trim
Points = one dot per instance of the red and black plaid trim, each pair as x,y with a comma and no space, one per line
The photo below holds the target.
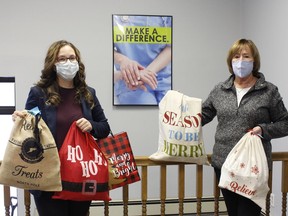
119,144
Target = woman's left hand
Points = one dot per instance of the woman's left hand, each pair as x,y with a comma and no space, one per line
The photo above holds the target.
84,125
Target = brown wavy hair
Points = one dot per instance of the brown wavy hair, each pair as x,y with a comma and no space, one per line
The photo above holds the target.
48,79
237,47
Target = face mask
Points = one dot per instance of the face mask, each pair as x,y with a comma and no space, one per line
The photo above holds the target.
242,68
67,70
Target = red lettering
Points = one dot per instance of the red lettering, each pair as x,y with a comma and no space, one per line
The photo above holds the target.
195,122
186,121
241,188
166,117
170,117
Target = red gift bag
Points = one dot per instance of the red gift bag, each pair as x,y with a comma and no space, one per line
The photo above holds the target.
122,165
84,168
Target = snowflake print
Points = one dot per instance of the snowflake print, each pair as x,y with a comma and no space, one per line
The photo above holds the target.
255,169
242,165
232,174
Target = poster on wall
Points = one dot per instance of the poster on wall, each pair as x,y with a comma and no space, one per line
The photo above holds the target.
142,59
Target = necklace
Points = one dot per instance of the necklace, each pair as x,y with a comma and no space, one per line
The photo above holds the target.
245,84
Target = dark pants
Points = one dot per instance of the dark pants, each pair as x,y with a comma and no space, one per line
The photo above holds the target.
47,206
236,204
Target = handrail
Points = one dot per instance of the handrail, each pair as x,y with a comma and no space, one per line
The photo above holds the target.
144,162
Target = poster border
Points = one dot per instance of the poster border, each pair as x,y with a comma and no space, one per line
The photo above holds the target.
114,103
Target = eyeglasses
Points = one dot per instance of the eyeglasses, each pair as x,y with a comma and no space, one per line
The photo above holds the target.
63,59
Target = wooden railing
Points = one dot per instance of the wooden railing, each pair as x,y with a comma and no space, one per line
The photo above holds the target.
145,163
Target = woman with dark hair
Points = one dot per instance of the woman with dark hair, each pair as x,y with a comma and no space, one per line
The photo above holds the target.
244,102
63,97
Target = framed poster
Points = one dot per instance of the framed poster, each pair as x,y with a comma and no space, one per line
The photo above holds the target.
142,59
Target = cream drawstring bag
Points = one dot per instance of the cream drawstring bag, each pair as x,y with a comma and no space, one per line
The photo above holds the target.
180,130
245,170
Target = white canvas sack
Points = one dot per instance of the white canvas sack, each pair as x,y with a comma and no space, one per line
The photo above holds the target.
180,130
245,170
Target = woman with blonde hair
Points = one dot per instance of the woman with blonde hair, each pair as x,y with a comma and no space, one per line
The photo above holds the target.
244,102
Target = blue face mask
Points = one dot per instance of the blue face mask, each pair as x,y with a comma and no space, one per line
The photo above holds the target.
242,68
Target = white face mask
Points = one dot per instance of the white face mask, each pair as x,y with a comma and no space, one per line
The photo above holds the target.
67,70
242,68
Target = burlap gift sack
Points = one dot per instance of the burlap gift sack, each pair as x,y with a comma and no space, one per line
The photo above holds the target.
31,159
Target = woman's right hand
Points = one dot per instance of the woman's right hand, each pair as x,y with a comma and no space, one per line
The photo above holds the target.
17,113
